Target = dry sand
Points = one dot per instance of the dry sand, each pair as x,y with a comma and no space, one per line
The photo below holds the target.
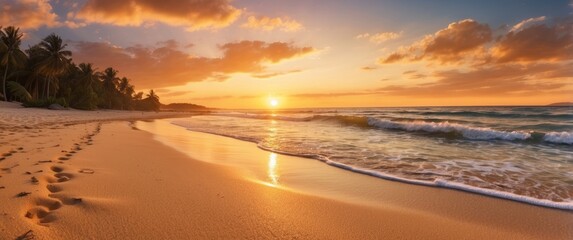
82,178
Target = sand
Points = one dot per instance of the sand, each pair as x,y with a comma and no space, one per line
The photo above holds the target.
79,175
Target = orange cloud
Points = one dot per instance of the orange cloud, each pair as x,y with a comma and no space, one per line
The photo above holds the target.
192,14
528,41
168,65
536,42
507,79
224,97
335,94
412,74
450,44
368,68
28,14
269,24
174,94
531,58
378,38
526,22
274,74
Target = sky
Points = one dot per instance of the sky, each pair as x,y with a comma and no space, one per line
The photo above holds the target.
321,53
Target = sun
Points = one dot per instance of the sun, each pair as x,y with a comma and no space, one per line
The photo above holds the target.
273,102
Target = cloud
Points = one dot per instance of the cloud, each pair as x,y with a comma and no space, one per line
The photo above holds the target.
450,44
166,64
533,57
369,68
174,94
526,22
528,41
492,80
269,24
378,38
28,14
274,74
536,42
224,97
412,74
191,14
335,94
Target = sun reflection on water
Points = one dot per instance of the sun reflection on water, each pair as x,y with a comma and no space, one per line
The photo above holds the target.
272,169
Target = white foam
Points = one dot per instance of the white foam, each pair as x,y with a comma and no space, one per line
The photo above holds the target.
459,186
559,137
474,133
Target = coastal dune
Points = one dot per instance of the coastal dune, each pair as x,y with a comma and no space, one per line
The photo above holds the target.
68,175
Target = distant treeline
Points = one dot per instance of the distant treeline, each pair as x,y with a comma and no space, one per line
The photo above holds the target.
45,74
561,104
183,107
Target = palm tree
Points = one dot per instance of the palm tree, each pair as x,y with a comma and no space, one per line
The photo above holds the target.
83,95
3,50
88,74
33,77
110,79
152,101
126,90
11,53
55,59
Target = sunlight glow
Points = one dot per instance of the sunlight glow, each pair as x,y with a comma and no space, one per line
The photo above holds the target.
272,169
273,102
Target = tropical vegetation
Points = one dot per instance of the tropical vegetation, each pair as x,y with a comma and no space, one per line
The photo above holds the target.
45,74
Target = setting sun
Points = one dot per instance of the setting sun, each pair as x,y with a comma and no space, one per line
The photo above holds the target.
273,102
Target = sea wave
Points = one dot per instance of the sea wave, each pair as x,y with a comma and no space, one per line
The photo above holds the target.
468,132
559,137
439,127
491,114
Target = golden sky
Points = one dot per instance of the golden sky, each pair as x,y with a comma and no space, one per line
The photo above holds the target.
238,54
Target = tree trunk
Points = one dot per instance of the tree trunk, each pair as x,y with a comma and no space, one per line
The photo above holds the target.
47,88
4,82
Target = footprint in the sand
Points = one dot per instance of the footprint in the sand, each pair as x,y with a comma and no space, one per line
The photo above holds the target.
66,199
29,235
56,169
41,213
63,177
49,203
54,188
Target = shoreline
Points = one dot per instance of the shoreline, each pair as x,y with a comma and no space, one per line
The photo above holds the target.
322,180
438,183
104,179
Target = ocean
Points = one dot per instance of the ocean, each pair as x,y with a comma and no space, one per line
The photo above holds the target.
518,153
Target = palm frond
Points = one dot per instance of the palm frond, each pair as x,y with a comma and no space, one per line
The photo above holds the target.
19,91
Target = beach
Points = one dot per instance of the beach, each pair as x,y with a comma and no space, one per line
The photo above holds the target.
104,175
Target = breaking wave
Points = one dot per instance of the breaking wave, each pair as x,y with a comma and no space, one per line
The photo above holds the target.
438,127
